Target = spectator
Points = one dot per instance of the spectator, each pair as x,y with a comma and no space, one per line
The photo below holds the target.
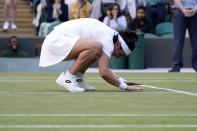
13,5
185,18
56,13
156,11
105,6
34,6
13,50
115,19
39,14
79,9
38,5
141,23
99,7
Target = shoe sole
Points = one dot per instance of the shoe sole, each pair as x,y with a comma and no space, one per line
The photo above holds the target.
70,90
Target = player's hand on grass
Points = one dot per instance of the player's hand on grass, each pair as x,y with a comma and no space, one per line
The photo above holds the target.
132,83
131,88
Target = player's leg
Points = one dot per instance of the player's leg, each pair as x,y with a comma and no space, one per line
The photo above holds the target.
83,84
85,52
87,57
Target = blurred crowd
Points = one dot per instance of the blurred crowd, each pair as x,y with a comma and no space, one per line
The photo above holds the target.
138,15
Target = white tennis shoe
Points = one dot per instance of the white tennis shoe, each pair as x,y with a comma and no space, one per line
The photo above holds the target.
6,25
82,83
13,27
69,83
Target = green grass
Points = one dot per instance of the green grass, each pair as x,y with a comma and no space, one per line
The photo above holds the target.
37,93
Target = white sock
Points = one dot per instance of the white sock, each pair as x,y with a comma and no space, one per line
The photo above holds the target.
69,74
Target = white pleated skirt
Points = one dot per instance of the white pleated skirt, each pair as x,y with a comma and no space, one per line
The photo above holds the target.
56,48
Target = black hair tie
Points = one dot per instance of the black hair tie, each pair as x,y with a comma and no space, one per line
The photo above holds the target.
115,38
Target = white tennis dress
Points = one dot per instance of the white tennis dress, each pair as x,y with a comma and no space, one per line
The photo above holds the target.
58,44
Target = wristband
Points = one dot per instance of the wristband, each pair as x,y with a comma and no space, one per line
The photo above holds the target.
121,79
123,85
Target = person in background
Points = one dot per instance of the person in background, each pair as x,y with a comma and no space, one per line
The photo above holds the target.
39,7
10,4
35,4
55,14
156,11
141,23
99,8
13,50
185,17
105,6
115,19
57,11
79,9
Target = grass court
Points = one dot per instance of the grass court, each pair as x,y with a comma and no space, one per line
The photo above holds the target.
33,101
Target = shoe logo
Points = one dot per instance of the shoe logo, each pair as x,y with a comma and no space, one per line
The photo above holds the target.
79,80
67,81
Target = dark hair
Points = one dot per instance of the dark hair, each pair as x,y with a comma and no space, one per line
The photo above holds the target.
115,38
53,1
130,38
119,11
141,7
12,38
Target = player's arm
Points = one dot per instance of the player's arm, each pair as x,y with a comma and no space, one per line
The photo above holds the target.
105,72
110,77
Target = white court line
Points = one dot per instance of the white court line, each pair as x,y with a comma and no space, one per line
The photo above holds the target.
171,90
103,126
153,87
98,115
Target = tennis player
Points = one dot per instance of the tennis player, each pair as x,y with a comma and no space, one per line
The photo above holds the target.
85,41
